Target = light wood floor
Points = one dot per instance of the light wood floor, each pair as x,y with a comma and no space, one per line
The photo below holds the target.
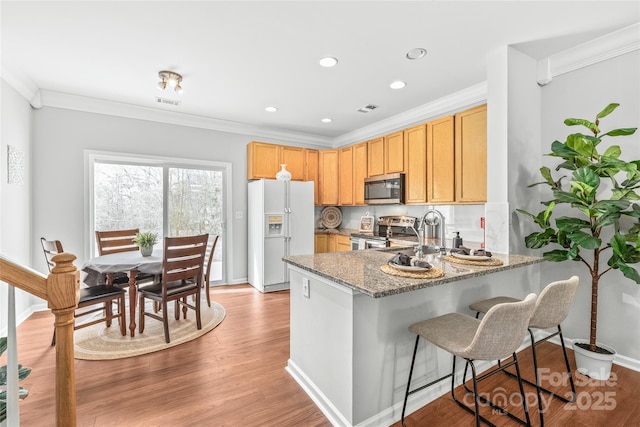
235,376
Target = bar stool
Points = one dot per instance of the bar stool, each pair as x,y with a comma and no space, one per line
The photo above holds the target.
496,336
552,307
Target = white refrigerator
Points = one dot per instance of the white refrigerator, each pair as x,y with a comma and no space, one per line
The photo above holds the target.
280,223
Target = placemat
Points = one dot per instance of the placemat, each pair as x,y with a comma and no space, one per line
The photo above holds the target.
490,263
434,273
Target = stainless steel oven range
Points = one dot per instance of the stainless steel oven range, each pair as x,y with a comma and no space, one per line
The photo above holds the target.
389,227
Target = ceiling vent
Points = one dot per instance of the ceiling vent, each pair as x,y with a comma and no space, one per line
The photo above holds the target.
167,101
367,108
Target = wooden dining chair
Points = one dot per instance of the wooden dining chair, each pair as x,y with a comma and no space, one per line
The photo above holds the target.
207,271
91,296
115,241
182,270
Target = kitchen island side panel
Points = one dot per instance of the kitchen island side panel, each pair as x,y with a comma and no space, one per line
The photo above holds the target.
322,340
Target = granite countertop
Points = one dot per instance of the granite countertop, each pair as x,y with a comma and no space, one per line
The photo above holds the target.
360,270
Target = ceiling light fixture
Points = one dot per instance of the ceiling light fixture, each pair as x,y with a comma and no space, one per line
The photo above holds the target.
328,62
416,53
271,109
171,79
397,85
327,120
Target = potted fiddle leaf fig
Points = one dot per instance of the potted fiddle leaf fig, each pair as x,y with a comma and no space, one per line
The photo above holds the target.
22,374
145,242
600,219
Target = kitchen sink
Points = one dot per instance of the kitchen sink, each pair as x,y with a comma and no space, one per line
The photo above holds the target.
426,250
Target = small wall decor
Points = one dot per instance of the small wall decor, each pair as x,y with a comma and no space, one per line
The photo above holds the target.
15,165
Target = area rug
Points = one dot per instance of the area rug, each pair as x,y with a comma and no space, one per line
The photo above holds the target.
98,342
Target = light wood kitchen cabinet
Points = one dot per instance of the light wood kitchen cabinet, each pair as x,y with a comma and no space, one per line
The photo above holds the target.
471,155
394,152
264,160
359,172
416,164
345,176
329,185
375,157
332,243
312,172
343,243
321,243
441,160
293,158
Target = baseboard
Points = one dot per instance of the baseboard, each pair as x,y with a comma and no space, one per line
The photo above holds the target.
332,413
619,359
389,415
21,317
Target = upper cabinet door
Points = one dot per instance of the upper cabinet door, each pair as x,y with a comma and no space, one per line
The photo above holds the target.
329,190
375,157
440,161
346,176
293,157
312,172
471,155
416,164
263,160
394,152
359,172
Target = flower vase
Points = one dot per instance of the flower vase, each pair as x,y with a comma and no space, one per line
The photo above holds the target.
283,174
146,250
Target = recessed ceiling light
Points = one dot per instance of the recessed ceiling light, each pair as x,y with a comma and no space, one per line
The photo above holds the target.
328,62
327,120
271,109
416,53
397,85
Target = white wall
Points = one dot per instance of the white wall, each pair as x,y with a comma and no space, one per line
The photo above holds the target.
15,209
583,94
59,140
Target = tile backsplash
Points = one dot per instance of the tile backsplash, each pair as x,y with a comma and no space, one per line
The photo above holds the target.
462,218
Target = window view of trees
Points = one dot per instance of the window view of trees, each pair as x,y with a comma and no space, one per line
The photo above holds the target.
195,202
128,196
132,196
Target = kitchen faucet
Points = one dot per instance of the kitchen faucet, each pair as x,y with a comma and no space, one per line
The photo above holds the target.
423,228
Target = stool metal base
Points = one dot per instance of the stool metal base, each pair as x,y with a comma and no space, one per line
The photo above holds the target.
475,380
537,385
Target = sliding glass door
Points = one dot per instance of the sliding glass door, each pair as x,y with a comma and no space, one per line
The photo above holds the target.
165,198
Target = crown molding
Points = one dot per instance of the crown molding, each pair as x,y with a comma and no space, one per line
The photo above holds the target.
22,84
467,97
101,106
597,50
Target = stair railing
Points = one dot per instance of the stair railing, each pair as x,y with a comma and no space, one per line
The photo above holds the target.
61,291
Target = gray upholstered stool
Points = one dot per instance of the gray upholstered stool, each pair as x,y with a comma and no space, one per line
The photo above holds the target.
550,310
496,336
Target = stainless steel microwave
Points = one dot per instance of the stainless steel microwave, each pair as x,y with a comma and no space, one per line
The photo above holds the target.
384,189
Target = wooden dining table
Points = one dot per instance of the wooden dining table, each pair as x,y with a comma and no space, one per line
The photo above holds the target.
132,263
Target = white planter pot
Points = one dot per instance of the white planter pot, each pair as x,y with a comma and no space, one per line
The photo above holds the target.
594,365
146,251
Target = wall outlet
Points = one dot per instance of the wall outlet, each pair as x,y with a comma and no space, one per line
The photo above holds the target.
305,287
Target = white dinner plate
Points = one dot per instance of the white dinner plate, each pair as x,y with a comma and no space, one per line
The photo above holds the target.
471,257
408,267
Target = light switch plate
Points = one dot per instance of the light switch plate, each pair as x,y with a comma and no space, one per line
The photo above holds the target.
305,287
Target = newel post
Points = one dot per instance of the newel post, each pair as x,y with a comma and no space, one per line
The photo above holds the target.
63,287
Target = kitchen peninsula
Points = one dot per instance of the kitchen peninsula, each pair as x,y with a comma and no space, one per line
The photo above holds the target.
350,345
